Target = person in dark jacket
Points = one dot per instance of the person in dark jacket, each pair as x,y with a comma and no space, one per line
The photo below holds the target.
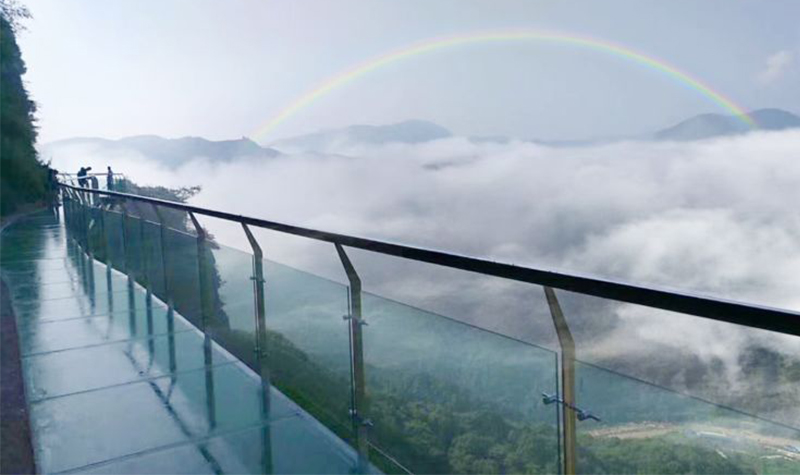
82,180
81,176
110,180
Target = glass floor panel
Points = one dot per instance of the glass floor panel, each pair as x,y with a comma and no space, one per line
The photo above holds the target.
32,277
15,274
70,371
291,439
94,426
42,337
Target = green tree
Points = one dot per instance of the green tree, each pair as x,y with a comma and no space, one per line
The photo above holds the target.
23,179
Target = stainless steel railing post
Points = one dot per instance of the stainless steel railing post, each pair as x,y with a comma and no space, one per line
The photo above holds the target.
568,416
204,276
107,257
167,297
162,230
128,269
146,281
125,268
207,305
261,346
359,409
81,219
260,306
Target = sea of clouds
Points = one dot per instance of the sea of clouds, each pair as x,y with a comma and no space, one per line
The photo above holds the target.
717,216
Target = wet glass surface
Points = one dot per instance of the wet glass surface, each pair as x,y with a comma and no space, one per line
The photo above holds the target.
292,438
118,383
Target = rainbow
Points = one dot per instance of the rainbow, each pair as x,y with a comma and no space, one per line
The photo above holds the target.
436,44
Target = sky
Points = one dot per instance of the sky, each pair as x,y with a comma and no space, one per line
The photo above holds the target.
224,70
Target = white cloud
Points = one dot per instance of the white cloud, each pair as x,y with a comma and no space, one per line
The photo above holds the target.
776,66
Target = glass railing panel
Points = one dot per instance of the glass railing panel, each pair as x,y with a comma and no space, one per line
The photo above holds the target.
307,343
96,235
645,428
133,247
446,397
183,274
152,259
74,219
233,322
114,238
107,282
707,396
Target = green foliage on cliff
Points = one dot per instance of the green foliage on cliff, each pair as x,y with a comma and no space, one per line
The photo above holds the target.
23,179
441,434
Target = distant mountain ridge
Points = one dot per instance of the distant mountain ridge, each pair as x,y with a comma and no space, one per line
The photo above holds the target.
418,131
717,125
177,151
409,132
174,152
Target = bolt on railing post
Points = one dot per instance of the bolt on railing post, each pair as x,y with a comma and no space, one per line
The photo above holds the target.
261,346
568,416
359,410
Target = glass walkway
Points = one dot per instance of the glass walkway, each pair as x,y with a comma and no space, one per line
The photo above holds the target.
116,383
147,347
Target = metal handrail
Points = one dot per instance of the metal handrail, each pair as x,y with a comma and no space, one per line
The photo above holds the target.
729,311
115,174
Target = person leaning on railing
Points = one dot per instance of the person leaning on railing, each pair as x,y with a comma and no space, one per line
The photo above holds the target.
82,180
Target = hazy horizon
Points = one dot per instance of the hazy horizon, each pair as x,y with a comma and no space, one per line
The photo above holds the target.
198,69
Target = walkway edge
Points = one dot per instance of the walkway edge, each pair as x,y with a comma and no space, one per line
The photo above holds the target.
16,451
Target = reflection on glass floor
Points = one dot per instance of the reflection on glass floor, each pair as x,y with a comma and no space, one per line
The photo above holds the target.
116,384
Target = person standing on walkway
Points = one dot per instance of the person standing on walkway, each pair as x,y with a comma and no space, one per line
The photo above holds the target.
82,176
110,180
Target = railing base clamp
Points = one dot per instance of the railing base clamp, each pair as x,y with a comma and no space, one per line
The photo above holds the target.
582,415
364,422
361,322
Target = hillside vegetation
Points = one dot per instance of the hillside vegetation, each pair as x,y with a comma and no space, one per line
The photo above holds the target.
23,178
